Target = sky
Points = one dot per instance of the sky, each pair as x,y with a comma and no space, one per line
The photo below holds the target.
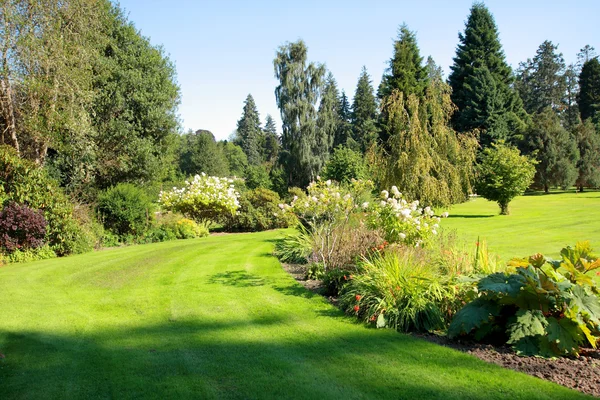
224,50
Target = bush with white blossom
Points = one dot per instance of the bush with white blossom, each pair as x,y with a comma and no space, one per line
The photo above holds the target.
402,221
203,199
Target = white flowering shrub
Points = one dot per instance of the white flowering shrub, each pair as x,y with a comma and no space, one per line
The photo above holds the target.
203,199
402,221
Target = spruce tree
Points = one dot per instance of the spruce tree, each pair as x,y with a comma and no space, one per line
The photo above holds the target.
297,95
588,141
541,81
271,143
249,132
344,131
570,116
406,71
364,113
480,71
589,90
434,72
327,122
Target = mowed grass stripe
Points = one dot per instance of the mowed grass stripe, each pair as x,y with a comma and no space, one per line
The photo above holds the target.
213,318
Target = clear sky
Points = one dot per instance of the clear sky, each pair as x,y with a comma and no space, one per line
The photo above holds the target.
224,50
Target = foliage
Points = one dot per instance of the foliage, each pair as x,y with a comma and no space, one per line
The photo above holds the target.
26,255
125,210
200,153
364,113
589,90
295,248
259,210
257,176
344,165
545,308
237,161
400,289
249,133
344,131
328,121
481,82
503,174
423,156
335,279
271,143
182,228
588,141
204,199
297,95
21,228
23,182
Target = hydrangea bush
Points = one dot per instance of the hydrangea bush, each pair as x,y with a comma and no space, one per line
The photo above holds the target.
203,199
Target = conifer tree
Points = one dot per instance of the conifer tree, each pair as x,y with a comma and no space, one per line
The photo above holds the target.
271,143
249,132
364,113
344,131
588,141
297,95
327,122
405,71
589,90
480,72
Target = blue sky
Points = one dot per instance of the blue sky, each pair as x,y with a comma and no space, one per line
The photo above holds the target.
224,50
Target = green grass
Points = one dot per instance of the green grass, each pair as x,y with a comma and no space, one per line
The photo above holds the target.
536,224
213,318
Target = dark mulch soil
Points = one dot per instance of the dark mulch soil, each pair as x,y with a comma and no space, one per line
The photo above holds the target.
581,374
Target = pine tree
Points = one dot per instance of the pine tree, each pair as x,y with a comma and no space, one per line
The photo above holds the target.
405,72
271,142
434,72
541,81
589,90
364,113
297,95
327,121
571,117
249,132
481,72
344,131
588,141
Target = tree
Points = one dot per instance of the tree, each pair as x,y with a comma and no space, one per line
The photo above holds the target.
503,174
571,116
237,161
588,141
555,150
589,90
344,131
405,71
271,140
425,158
201,154
344,165
541,80
364,113
434,72
297,95
327,121
249,132
480,71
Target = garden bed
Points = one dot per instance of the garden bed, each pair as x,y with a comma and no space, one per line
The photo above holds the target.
582,374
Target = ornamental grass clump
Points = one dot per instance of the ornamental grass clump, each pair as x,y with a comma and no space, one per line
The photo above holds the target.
204,199
546,307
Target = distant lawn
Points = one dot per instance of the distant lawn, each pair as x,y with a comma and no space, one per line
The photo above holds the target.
537,223
214,318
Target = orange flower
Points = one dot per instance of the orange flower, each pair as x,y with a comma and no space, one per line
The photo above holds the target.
358,297
356,308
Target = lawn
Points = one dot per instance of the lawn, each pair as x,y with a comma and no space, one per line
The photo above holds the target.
536,224
214,318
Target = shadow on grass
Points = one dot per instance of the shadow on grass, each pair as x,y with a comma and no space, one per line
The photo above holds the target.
246,358
471,215
239,278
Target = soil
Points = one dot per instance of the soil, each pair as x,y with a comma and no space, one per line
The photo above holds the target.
582,373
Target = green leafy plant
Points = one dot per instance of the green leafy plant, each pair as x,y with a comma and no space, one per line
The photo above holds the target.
295,248
125,209
259,210
545,307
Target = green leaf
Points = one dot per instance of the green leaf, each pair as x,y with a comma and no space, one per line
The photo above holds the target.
529,323
565,334
473,316
588,305
499,283
527,346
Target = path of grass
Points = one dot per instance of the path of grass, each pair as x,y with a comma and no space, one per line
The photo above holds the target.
537,224
213,318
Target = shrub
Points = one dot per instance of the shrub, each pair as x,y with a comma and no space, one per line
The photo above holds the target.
204,199
344,165
256,176
41,253
21,228
295,248
545,307
23,182
335,279
124,209
188,229
259,210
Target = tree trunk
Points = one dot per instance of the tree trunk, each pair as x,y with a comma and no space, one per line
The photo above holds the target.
8,112
546,189
503,208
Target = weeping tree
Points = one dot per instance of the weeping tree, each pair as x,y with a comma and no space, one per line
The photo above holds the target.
297,95
424,157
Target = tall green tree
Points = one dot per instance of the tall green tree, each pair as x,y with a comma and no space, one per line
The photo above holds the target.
555,150
249,133
541,81
589,90
588,141
480,72
434,72
200,152
344,131
328,121
571,116
406,72
237,161
297,95
271,140
364,113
